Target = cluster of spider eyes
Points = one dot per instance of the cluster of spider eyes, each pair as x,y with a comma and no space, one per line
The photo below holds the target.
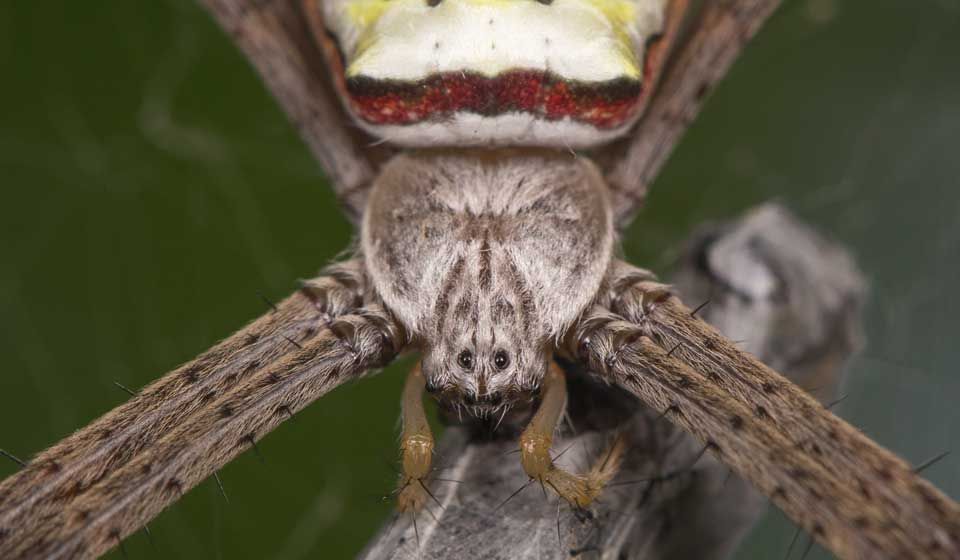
500,360
435,3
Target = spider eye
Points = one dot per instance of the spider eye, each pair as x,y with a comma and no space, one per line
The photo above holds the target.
501,359
433,3
465,359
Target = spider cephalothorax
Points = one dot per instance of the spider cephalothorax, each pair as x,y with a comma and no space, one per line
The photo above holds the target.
486,258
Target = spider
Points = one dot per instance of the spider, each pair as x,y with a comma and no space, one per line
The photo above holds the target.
492,258
487,257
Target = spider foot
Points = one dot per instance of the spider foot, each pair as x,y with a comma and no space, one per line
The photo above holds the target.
412,495
579,490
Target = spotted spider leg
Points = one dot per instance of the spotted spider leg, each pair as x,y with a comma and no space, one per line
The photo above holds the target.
87,493
848,493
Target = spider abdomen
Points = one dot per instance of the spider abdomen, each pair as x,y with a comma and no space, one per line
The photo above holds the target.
479,73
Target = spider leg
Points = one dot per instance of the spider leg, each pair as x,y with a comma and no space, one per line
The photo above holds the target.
810,463
664,319
416,446
339,290
535,442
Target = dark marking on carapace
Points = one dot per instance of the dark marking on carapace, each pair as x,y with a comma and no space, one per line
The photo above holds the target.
443,299
485,274
521,291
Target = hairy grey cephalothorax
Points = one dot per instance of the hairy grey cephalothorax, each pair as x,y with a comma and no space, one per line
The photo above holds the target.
486,259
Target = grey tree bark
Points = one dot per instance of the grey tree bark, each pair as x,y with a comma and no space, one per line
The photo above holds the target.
794,300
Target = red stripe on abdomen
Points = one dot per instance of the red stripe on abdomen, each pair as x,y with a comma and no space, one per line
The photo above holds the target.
389,102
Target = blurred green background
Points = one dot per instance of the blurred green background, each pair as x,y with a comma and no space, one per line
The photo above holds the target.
151,188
